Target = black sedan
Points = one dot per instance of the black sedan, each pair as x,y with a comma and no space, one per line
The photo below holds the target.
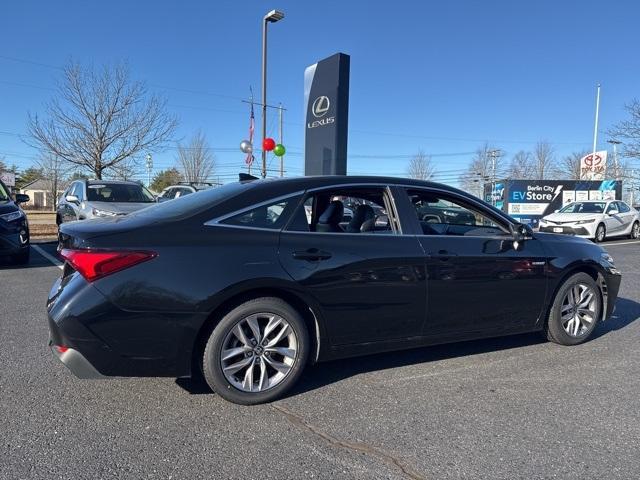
14,227
250,282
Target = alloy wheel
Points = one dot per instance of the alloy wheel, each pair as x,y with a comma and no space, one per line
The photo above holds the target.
635,231
600,233
578,310
259,352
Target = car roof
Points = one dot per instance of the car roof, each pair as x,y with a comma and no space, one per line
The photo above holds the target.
305,183
120,182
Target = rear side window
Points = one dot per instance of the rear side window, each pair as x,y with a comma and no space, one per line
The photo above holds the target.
270,216
624,208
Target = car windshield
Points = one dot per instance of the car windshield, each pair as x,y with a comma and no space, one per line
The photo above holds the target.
118,192
4,195
584,207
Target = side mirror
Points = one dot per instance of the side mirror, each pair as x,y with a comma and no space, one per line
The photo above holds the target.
613,212
72,199
556,211
521,232
22,198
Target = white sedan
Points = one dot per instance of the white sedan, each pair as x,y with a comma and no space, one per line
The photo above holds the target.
594,219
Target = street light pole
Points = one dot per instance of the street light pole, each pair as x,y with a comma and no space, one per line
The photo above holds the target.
149,168
615,144
271,17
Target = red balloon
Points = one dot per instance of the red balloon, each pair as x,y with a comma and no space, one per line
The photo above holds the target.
268,144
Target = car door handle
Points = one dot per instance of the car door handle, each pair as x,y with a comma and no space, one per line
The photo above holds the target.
443,255
311,254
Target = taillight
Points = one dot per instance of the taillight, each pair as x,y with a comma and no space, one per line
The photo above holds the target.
94,264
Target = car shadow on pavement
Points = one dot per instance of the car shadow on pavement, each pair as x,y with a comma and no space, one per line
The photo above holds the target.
317,376
627,311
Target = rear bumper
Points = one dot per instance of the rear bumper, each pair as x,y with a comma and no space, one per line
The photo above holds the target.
99,339
76,362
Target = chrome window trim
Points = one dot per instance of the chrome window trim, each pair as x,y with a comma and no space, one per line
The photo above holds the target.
216,220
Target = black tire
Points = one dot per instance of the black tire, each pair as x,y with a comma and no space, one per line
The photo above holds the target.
601,233
23,257
554,330
212,363
635,231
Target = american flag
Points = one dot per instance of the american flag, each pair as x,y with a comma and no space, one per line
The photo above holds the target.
252,127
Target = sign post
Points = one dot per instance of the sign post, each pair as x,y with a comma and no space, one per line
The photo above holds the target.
326,91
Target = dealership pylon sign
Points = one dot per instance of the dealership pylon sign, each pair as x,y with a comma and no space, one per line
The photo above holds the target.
593,166
326,98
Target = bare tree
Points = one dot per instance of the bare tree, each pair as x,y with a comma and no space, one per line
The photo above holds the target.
521,166
196,159
481,169
544,159
127,169
53,171
99,119
628,131
420,166
568,168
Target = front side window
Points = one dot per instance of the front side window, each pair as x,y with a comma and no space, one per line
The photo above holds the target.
441,214
264,216
4,194
612,206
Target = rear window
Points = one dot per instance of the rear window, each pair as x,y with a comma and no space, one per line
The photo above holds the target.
118,192
193,203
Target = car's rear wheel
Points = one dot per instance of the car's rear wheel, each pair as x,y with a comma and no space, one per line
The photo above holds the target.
635,231
601,233
257,351
576,309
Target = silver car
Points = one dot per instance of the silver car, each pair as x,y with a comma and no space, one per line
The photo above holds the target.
101,198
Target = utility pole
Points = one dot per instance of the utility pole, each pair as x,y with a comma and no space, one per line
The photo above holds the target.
281,142
494,154
595,127
149,168
615,144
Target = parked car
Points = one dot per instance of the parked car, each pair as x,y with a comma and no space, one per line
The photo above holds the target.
86,199
240,284
14,226
182,189
594,219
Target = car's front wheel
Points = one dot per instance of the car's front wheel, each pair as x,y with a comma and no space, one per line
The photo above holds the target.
257,351
575,311
635,231
601,233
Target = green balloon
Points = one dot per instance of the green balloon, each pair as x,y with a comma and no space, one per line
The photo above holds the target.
279,150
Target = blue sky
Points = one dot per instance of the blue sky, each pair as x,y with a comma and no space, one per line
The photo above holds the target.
439,76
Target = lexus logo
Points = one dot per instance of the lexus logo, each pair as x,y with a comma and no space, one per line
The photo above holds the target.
320,106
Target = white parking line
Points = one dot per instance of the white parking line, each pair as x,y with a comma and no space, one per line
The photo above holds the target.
49,257
634,242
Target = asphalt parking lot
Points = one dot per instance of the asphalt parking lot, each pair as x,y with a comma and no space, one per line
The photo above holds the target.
515,407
